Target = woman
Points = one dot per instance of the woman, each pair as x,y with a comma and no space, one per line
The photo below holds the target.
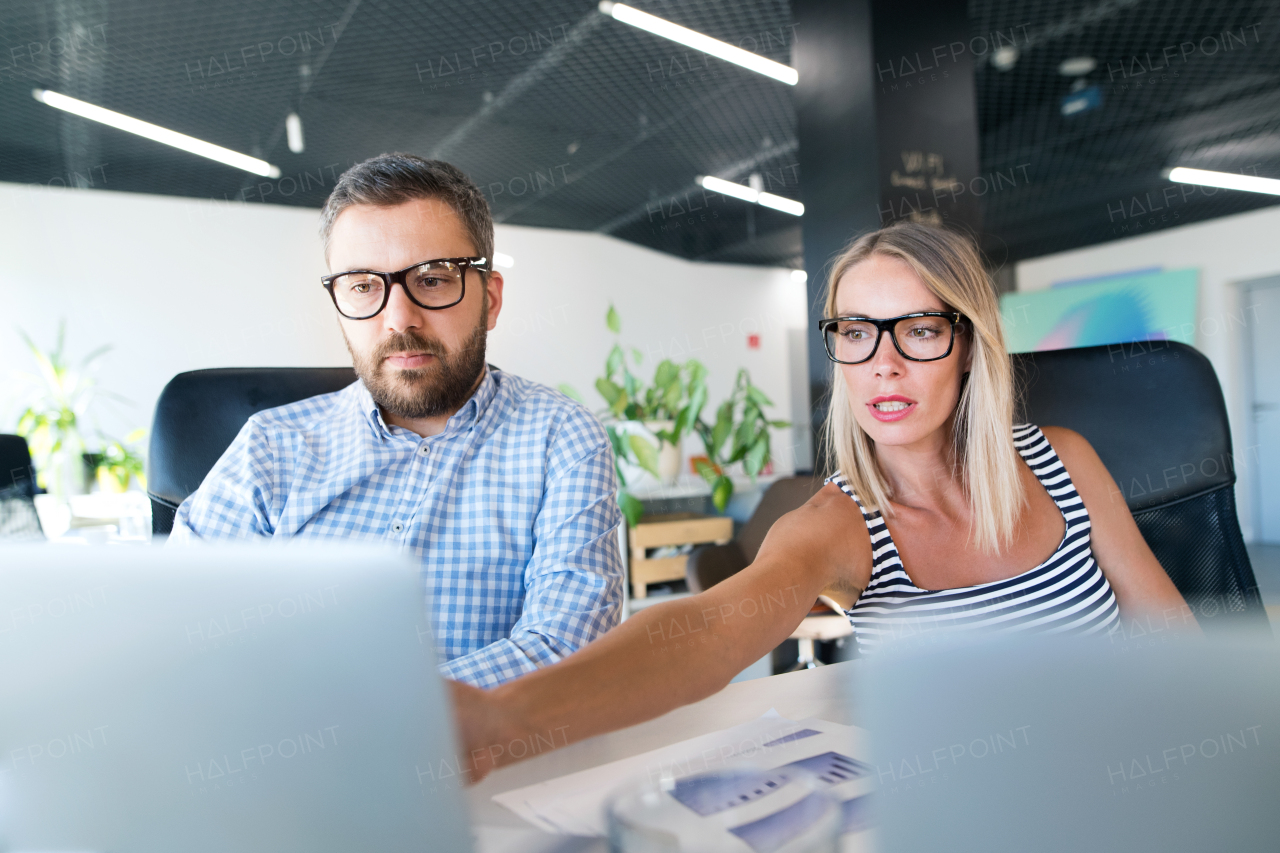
943,514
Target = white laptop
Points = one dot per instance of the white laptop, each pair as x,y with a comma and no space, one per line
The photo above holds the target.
1134,742
222,699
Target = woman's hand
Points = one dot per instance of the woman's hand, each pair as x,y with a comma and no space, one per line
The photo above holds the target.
484,730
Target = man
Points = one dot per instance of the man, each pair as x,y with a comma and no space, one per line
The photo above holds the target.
503,488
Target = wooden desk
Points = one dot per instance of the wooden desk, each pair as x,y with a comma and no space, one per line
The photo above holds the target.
818,693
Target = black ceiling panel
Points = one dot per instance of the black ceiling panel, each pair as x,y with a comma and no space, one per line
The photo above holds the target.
569,119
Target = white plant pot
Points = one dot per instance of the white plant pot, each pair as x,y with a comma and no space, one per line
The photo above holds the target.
669,455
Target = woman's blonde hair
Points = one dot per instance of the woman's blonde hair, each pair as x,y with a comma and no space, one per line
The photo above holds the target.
984,453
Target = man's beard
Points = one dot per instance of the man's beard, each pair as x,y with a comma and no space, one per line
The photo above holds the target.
438,389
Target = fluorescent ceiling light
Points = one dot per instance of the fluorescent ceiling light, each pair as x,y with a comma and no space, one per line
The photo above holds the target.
778,202
502,260
293,133
156,133
1226,180
1077,66
729,188
696,40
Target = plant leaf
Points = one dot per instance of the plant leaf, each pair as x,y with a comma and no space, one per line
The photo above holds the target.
707,471
670,401
721,492
779,424
636,355
697,399
743,437
682,423
651,398
631,508
614,362
757,396
49,370
620,451
646,453
718,435
94,356
757,456
569,391
608,390
612,320
667,374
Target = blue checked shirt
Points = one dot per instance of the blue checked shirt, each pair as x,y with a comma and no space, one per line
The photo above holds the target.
511,511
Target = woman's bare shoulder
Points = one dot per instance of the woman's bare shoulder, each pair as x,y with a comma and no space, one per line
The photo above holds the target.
1091,477
1072,447
1064,436
832,497
829,526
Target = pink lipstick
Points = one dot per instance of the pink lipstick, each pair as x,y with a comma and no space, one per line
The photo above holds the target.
890,407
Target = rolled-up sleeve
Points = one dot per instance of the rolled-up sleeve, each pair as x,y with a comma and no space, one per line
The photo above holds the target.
573,581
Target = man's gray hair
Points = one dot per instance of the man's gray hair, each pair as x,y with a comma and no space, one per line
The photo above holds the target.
391,179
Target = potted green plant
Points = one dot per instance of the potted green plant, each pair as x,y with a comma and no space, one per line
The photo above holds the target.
51,422
121,462
646,423
740,434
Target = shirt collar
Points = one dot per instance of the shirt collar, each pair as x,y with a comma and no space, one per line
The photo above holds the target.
477,404
464,418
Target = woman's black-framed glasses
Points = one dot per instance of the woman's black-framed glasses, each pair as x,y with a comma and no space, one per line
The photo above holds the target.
923,336
437,284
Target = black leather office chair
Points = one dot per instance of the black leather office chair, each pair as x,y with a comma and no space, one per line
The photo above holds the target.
199,414
18,519
1155,414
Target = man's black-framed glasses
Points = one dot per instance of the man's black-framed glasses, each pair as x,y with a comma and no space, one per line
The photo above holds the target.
923,336
437,284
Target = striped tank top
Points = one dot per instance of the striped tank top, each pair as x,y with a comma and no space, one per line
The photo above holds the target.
1067,593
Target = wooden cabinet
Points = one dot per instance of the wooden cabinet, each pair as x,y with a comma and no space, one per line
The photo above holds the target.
656,531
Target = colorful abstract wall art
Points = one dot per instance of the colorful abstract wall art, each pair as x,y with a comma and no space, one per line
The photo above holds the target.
1145,307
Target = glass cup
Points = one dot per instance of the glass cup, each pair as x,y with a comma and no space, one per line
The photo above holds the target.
743,808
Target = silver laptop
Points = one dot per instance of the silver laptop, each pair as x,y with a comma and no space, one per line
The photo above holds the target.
1134,742
238,699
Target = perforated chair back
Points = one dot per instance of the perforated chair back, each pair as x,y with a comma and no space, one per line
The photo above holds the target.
1154,412
200,413
18,518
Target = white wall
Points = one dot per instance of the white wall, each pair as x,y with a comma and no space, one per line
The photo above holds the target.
178,284
1227,251
552,327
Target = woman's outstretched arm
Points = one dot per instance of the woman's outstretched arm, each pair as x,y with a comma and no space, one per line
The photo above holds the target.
669,654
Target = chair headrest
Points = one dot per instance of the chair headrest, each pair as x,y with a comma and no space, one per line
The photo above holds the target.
199,414
16,474
1153,410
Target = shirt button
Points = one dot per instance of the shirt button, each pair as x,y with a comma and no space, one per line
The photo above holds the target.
423,449
397,527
